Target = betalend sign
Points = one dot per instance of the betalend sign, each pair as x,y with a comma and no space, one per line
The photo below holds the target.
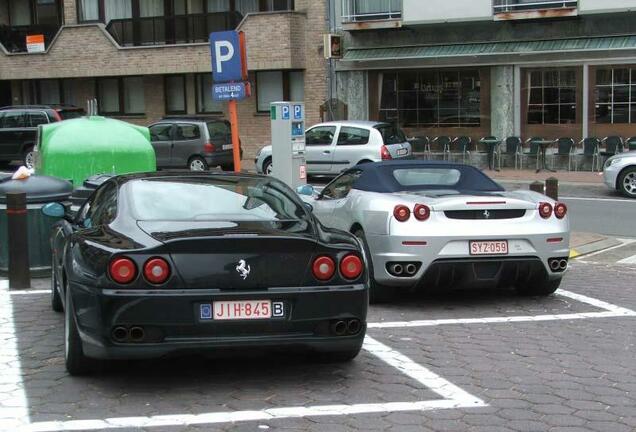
229,73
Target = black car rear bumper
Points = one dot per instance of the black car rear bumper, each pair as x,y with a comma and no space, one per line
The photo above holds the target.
172,326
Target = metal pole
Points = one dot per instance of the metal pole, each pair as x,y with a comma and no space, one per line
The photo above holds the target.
552,188
19,272
236,149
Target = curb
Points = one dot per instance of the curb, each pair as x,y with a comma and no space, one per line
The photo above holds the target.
593,247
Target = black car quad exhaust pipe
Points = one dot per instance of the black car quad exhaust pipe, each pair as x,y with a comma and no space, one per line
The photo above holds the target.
353,326
136,334
410,269
563,264
339,328
120,334
554,264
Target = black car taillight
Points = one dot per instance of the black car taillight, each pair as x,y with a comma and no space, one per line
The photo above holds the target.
323,268
351,267
122,270
560,210
401,213
545,210
421,212
156,270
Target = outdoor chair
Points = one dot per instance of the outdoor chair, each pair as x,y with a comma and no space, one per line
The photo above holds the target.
421,144
534,149
567,148
630,143
591,147
490,150
613,145
460,146
515,148
443,143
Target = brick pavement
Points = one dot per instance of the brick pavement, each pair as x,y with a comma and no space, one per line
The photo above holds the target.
554,376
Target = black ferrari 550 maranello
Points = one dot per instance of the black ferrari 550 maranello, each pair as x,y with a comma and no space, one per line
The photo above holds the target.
171,263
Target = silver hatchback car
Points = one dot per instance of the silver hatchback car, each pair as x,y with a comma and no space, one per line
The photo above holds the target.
334,146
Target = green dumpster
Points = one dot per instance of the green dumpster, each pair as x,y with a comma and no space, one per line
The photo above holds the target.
39,190
80,148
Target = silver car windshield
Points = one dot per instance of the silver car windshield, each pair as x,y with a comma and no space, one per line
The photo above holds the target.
427,177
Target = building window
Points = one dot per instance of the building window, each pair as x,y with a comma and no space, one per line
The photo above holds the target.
370,10
615,95
503,6
431,98
275,86
176,102
121,96
205,103
552,96
88,10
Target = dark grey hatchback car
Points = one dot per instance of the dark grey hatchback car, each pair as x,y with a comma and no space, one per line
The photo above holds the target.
196,143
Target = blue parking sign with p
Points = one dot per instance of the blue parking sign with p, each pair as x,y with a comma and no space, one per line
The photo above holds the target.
298,112
226,56
285,112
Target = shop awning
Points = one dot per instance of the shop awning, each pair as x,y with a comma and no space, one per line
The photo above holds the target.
573,45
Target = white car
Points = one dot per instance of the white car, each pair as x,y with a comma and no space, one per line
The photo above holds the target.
434,224
334,146
619,173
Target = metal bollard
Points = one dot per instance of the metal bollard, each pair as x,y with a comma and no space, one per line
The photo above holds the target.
552,188
19,272
537,187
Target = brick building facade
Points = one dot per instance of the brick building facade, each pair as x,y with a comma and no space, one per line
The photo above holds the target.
96,57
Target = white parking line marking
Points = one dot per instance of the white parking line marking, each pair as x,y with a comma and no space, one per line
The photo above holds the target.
14,413
13,407
609,311
454,397
626,200
629,260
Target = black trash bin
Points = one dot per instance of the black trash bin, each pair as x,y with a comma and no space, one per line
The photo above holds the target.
39,190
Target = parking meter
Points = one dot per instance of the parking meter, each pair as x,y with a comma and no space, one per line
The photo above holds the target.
288,143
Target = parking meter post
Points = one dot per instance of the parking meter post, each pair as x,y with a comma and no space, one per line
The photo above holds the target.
19,273
537,187
552,188
236,146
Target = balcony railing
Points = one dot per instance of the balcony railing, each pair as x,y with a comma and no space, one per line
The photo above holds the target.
505,6
170,30
371,10
14,38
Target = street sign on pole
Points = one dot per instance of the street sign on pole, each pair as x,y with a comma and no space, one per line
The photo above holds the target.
230,91
229,72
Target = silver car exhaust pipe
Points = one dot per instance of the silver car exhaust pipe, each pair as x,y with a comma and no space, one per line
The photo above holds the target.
397,269
563,264
410,269
120,334
137,334
554,265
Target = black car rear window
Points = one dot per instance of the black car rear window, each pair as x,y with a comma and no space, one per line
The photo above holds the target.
71,114
213,199
391,134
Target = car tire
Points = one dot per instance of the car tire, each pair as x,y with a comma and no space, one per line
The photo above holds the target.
28,158
76,362
197,163
627,182
377,293
56,300
539,287
267,166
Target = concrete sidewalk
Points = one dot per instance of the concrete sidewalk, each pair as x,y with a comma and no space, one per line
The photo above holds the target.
586,243
529,176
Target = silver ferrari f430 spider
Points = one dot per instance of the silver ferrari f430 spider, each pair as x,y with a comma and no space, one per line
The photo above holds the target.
437,225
